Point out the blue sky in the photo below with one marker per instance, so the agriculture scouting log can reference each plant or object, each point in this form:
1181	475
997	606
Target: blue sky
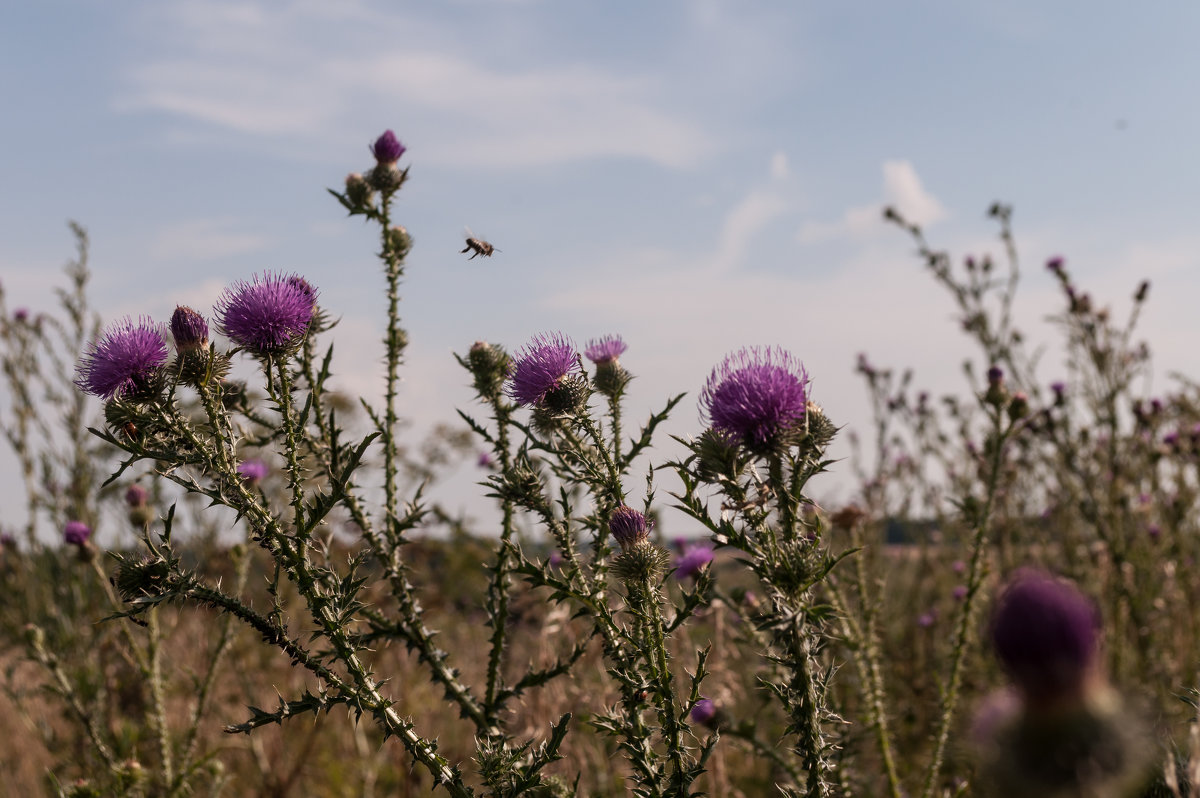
694	176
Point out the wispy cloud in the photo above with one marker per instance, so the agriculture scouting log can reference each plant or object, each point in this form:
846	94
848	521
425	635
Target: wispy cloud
204	240
902	189
259	73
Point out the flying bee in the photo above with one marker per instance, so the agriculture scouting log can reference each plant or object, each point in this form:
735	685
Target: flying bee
477	246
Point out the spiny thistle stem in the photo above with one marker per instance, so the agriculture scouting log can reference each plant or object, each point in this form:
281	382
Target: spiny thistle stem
394	270
966	616
665	687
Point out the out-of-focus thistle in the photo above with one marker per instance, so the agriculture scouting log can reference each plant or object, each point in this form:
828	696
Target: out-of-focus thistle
139	510
386	177
757	396
611	377
1066	733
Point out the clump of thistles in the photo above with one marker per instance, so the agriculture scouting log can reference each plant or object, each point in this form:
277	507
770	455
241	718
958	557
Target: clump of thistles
757	397
269	315
546	374
125	362
611	377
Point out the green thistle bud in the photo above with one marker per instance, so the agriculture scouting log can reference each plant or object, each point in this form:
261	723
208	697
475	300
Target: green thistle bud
488	364
399	241
386	178
359	192
568	398
140	577
641	563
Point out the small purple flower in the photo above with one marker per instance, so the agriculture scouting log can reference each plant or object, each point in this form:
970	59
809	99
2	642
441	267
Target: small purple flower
756	395
1055	264
252	471
124	360
387	149
268	315
1045	632
629	527
7	541
960	592
995	375
1154	531
136	495
485	460
189	329
605	349
958	566
76	533
927	619
556	559
693	560
21	315
704	712
540	367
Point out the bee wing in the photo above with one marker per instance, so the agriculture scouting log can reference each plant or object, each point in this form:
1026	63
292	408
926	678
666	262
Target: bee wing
467	232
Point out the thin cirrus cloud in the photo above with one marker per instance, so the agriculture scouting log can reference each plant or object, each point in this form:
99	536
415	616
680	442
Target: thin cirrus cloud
264	79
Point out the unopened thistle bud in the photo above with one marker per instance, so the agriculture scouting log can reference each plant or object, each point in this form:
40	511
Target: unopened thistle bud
189	329
359	191
1018	407
488	364
399	242
996	395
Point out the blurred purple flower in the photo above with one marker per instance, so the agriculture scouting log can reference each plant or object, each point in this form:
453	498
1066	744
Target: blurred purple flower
136	495
189	329
387	149
76	533
1055	264
959	592
629	527
692	560
1046	633
124	360
704	712
927	619
756	395
267	315
606	349
485	460
540	367
1154	531
959	566
20	315
252	471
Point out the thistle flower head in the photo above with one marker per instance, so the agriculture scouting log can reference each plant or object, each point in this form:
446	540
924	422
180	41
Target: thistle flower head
268	315
387	149
629	527
605	349
76	533
124	361
543	365
1046	633
136	495
693	560
189	329
704	712
252	471
757	396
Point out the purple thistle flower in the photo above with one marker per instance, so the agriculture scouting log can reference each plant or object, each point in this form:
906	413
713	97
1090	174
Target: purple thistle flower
756	395
485	460
124	360
605	349
76	533
960	592
20	315
252	471
540	367
387	149
1045	632
189	329
1055	264
693	560
136	495
927	619
268	315
704	712
629	527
